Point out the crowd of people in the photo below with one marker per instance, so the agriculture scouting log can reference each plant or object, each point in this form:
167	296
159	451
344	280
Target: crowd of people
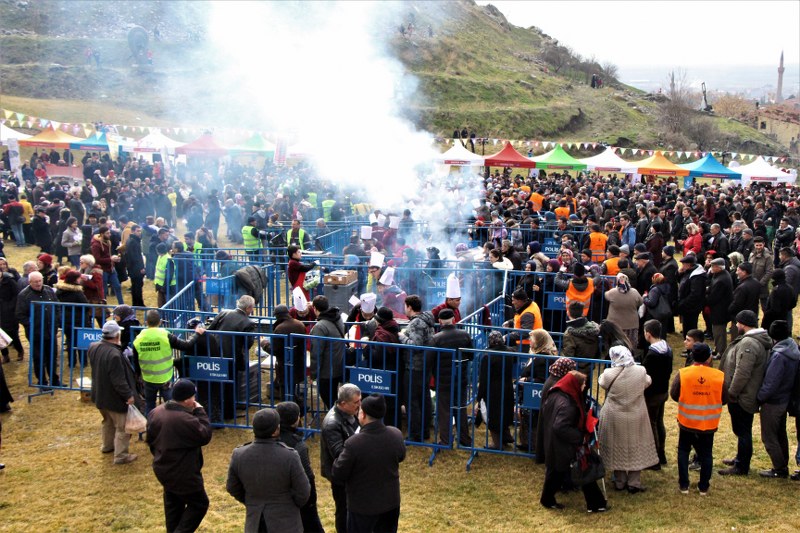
631	258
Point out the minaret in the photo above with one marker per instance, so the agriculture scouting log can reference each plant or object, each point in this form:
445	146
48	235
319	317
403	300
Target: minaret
779	93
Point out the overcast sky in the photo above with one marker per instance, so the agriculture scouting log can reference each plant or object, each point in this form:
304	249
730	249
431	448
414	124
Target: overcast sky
669	33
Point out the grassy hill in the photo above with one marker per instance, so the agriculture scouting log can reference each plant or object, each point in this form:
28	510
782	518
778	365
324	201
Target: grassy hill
474	70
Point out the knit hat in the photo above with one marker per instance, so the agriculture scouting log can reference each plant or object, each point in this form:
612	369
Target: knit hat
72	277
701	352
496	338
265	422
579	270
669	250
281	312
625	249
183	390
47	259
746	267
446	314
374	406
289	413
562	366
779	330
747	318
385	314
535	247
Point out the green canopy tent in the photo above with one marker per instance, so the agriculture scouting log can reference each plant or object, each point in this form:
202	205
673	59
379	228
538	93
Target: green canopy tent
557	159
256	145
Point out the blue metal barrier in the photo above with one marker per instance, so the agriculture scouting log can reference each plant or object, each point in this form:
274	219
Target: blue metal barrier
496	379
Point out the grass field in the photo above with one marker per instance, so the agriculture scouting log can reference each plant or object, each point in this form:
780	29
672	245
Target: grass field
56	479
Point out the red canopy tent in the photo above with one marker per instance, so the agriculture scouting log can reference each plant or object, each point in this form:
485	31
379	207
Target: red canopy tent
205	145
508	157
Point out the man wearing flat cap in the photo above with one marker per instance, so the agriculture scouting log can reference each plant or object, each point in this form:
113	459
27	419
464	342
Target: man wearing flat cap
369	467
743	364
113	390
267	476
176	432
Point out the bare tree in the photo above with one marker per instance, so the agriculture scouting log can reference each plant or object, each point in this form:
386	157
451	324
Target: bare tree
676	112
735	106
557	56
610	70
703	132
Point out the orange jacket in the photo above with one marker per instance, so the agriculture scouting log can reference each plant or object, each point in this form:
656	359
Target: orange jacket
700	401
584	296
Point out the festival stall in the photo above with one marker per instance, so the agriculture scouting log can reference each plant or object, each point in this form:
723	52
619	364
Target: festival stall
256	145
762	172
7	133
708	170
657	166
508	157
155	141
97	142
50	138
204	146
458	156
557	159
608	161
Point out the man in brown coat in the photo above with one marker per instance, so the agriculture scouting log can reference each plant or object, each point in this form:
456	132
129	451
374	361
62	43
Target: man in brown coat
176	432
290	378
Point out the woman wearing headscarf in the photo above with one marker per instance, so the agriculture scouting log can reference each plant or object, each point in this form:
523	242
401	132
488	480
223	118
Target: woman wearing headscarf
125	317
564	429
623	307
496	388
625	434
560	368
535	371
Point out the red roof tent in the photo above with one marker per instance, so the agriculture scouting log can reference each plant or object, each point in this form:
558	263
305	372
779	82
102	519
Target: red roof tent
203	146
508	157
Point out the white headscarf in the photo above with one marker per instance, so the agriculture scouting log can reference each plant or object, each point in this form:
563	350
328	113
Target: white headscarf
621	356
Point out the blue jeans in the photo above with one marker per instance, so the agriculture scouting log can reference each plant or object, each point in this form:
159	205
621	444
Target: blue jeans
151	392
703	444
75	260
19	234
111	278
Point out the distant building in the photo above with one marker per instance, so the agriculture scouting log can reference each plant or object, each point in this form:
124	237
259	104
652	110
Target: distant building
782	123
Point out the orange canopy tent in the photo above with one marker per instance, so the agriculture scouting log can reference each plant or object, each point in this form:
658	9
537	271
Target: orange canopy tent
51	138
658	165
508	157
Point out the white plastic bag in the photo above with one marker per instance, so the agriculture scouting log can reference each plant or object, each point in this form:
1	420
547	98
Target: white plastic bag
5	339
135	422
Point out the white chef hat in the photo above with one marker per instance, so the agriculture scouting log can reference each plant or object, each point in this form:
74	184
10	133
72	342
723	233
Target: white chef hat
300	302
353	301
453	288
394	222
381	220
376	259
373	218
388	276
366	232
368	300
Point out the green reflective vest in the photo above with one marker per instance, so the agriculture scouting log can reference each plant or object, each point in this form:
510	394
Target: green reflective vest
155	355
161	271
312	198
301	236
250	242
327	206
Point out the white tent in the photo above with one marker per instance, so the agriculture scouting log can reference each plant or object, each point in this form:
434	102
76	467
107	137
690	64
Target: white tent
460	157
608	161
155	141
8	133
762	172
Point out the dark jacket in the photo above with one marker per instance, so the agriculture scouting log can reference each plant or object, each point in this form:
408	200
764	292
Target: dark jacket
691	291
792	269
133	255
581	339
9	289
719	297
644	277
337	427
369	467
297	373
47	318
658	363
327	356
176	435
384	357
559	419
74	317
745	296
780	372
236	346
496	387
113	381
780	303
267	476
669	269
451	338
743	364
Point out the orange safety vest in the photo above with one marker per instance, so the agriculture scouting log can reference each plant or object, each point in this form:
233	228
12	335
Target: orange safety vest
562	212
612	268
597	244
533	308
700	402
537	200
585	296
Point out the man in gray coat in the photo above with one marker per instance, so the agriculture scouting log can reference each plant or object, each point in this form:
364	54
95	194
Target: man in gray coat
267	476
743	364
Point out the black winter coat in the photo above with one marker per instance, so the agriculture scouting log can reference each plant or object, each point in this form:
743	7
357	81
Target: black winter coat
450	338
691	291
496	388
719	297
780	303
559	420
745	296
9	288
